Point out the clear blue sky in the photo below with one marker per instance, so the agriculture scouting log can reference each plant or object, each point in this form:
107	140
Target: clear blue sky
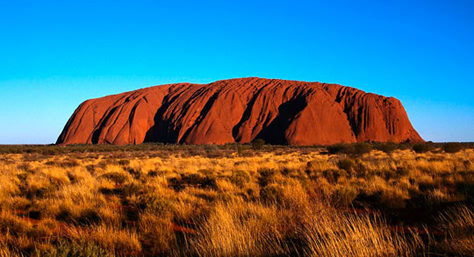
56	54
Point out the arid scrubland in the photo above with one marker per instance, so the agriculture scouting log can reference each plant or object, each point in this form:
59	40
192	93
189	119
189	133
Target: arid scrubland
235	201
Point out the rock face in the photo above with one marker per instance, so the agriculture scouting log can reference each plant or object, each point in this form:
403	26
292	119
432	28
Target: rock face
240	110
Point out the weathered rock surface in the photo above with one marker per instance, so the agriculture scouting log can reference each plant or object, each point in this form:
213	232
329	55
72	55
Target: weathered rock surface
240	110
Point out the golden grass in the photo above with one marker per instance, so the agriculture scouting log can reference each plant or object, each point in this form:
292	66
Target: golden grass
238	229
223	203
357	235
459	226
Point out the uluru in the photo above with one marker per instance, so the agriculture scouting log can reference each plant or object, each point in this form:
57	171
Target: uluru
240	111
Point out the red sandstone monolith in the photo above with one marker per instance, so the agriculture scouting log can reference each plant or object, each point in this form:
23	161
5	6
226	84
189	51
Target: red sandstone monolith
240	110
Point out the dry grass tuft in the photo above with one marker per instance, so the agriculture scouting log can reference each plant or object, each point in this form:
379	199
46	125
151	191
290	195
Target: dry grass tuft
458	224
238	229
357	235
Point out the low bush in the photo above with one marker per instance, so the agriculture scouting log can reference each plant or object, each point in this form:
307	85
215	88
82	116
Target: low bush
423	148
346	164
338	148
352	149
200	180
74	248
387	147
258	144
154	203
362	148
452	147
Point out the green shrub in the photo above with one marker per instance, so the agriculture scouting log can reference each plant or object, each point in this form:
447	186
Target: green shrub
423	148
354	149
258	144
196	179
240	150
452	147
338	148
362	148
346	164
75	248
154	203
387	147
